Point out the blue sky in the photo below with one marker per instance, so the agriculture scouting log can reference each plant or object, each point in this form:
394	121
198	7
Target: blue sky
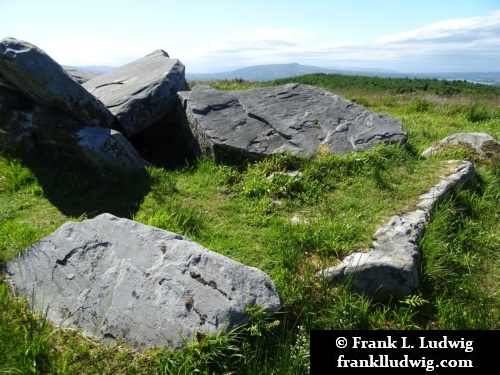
218	35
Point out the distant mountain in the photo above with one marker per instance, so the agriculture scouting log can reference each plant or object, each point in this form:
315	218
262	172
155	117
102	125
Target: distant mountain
276	71
364	70
262	72
270	72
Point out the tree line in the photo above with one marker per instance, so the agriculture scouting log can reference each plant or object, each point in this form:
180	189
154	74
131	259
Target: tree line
393	85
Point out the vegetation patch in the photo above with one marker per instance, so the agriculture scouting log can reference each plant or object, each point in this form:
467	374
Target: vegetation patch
245	212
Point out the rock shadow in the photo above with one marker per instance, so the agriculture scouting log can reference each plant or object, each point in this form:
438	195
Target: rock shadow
79	190
164	144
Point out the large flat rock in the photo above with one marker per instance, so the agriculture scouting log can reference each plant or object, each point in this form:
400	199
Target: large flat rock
119	279
142	92
301	119
27	69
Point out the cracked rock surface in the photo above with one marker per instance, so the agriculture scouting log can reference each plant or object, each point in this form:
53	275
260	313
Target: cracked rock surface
301	119
142	92
117	279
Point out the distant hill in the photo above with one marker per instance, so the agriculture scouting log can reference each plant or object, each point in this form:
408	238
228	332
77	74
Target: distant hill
262	73
277	71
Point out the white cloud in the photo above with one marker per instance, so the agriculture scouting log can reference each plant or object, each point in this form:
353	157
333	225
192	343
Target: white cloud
458	44
259	39
465	29
257	46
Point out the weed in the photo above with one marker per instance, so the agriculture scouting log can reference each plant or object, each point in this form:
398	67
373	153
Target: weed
477	113
420	105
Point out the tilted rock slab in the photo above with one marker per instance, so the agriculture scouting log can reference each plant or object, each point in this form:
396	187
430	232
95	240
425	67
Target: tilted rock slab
118	279
391	267
301	119
29	70
142	92
482	143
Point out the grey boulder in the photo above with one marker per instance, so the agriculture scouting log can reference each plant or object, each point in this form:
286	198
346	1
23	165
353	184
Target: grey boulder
482	143
301	119
142	92
29	70
117	279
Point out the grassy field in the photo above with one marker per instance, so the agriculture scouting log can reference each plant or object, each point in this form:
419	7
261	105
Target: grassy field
239	212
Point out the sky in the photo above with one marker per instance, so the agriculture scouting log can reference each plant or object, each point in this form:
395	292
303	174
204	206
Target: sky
207	36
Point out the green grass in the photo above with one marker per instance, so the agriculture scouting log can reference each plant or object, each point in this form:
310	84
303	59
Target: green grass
393	86
243	213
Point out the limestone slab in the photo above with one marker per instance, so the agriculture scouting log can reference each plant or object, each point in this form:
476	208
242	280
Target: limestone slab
301	119
117	279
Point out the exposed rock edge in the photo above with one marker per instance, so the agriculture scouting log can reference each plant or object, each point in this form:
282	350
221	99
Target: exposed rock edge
390	269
